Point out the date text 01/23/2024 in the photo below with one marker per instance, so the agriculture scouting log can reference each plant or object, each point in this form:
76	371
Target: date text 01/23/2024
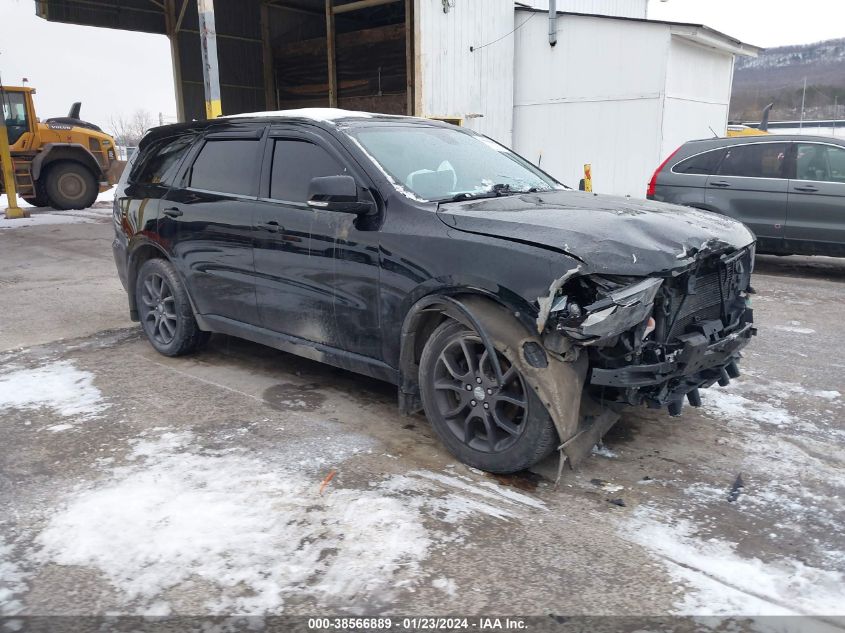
416	624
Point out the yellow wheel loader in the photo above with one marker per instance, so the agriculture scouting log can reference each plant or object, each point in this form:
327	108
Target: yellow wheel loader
62	162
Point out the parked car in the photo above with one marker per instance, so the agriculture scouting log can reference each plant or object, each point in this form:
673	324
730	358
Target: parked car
518	314
789	190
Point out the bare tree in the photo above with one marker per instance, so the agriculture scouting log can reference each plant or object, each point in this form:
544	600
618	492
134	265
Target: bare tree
128	131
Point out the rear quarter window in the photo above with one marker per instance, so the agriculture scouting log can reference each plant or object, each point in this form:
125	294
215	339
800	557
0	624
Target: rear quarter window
159	163
702	164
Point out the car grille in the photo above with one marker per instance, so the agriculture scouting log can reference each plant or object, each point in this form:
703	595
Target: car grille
712	288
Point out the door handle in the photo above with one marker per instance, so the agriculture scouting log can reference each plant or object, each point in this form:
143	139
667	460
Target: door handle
173	212
807	189
272	226
720	183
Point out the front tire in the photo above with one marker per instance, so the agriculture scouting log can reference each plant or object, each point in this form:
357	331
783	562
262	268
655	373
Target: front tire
70	185
165	310
497	424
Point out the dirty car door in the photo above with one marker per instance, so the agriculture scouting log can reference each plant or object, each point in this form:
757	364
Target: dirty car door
750	186
816	215
305	286
207	224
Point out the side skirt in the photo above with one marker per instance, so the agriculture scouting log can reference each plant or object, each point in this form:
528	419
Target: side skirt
300	347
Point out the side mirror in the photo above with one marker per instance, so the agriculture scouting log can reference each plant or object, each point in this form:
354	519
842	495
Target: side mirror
337	193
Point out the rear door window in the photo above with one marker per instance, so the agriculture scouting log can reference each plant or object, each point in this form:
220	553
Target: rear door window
295	163
702	165
820	163
759	160
228	166
162	161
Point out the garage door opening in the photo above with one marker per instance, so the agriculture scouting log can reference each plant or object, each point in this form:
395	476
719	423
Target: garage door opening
355	55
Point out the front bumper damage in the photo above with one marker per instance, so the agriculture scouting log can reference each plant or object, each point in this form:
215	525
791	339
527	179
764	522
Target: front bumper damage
658	340
697	364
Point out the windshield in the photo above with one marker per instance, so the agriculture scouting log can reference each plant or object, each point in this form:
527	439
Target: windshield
440	164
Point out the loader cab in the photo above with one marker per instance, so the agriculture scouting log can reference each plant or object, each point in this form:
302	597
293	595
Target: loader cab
19	116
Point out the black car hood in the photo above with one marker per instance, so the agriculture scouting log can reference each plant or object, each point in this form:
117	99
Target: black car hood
609	234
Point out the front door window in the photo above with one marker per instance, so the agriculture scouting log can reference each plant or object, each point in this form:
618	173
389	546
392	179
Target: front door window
14	114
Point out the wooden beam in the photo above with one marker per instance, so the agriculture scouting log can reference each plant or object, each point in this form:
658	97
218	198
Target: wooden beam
267	60
330	53
361	4
284	6
181	15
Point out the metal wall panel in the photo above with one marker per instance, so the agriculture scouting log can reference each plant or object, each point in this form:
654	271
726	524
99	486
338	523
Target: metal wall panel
466	62
621	8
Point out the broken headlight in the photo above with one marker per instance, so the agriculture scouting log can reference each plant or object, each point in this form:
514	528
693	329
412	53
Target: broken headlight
597	307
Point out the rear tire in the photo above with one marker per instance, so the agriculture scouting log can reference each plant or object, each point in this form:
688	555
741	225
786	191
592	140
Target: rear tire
70	185
165	310
513	432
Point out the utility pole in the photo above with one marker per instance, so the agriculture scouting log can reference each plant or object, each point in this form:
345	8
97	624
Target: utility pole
210	68
803	100
160	119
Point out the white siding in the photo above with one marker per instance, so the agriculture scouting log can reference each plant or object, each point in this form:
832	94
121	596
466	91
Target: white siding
473	85
583	101
620	8
618	94
698	93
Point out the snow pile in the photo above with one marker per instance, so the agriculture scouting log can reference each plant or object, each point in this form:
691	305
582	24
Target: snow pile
726	583
325	115
11	582
59	386
258	532
100	212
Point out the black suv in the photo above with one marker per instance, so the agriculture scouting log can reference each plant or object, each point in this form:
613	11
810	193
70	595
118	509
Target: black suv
789	190
518	314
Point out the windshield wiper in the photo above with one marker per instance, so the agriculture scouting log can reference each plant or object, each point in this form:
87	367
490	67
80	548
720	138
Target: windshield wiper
494	192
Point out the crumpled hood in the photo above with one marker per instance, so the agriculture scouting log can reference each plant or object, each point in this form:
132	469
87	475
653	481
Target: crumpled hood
611	235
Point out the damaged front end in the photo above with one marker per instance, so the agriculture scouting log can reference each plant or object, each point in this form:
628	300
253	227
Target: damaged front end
657	340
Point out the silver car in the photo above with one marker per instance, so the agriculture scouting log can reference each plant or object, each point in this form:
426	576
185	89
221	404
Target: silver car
789	190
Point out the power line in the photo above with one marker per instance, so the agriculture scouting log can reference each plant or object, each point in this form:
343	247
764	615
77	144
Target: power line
524	22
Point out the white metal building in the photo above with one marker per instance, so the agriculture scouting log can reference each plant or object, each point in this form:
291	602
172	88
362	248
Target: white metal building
617	91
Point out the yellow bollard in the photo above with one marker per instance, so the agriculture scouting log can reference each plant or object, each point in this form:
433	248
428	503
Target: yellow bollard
14	212
588	177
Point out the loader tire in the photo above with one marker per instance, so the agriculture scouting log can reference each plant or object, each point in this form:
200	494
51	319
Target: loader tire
70	185
40	198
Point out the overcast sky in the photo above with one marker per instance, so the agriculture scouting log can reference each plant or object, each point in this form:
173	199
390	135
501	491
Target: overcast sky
118	72
766	23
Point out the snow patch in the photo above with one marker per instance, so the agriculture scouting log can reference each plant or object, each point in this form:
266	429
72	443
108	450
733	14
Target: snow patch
603	451
725	583
258	531
59	386
734	406
47	216
11	581
325	115
794	330
446	585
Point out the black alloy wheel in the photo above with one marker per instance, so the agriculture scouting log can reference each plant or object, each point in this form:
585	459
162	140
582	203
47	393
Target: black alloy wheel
484	412
165	311
487	417
158	309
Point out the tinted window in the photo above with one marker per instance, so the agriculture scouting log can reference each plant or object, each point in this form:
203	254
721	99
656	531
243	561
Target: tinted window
761	160
227	166
295	163
820	162
703	164
161	161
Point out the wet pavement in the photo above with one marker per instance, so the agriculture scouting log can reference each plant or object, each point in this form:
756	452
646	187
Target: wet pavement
138	484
